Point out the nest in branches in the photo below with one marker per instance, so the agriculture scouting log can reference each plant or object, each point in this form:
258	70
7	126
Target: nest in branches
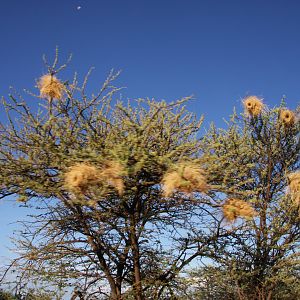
186	178
294	186
50	87
82	176
235	208
287	117
253	106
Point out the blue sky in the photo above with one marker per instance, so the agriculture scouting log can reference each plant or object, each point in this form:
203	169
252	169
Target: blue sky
219	51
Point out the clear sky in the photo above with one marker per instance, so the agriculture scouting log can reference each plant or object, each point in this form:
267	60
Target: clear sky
217	50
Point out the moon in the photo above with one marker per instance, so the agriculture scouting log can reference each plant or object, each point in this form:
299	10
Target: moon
78	7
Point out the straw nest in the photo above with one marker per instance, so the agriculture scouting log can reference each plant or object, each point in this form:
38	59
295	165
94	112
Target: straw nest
253	106
287	117
50	87
186	178
82	176
294	186
235	208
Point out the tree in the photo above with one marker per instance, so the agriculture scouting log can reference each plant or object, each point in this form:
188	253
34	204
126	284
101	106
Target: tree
123	204
28	295
220	282
257	160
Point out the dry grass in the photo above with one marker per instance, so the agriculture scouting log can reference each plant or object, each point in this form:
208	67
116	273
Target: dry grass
112	174
50	87
235	208
287	117
253	106
81	176
294	186
186	177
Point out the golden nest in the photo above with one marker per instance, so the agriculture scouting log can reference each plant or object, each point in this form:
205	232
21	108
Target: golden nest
253	105
185	178
81	176
50	87
235	208
294	186
287	117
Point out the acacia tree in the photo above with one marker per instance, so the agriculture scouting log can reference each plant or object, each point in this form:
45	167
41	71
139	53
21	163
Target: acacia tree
261	258
119	189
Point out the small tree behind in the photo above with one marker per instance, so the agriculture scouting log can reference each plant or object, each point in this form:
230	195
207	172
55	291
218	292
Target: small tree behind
261	257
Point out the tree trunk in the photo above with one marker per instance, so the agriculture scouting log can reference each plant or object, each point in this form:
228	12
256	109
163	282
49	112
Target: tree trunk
115	293
136	263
